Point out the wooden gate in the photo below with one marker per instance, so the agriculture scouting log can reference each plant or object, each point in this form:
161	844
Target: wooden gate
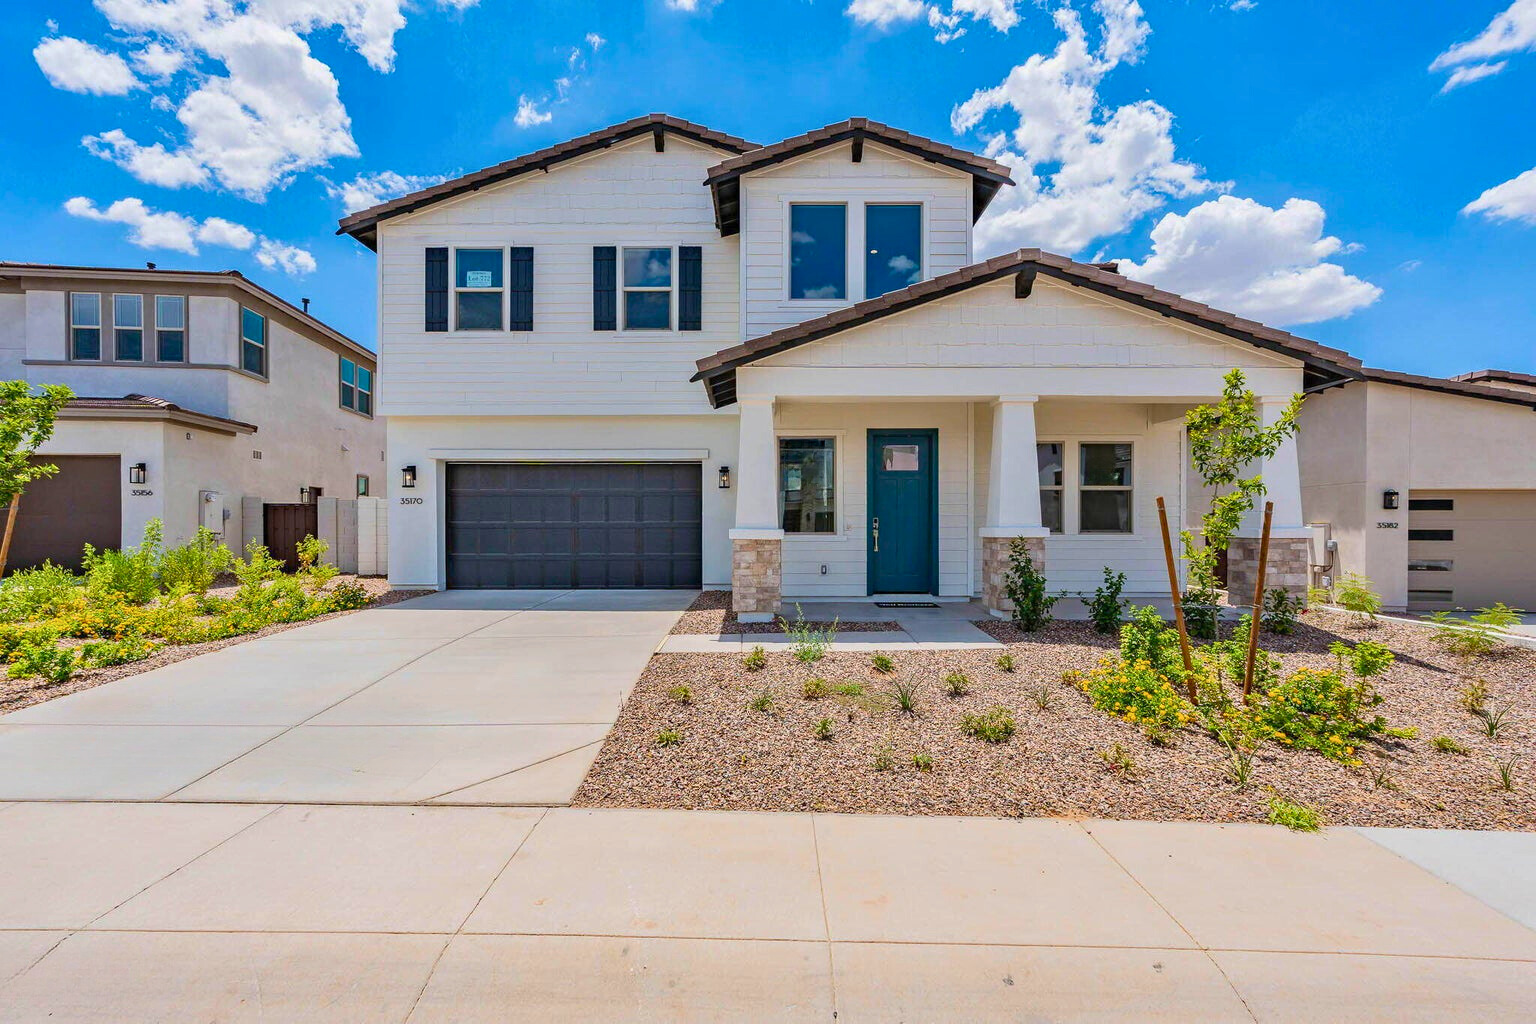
285	525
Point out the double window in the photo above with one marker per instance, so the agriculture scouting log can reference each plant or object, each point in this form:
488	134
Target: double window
85	325
478	283
647	286
356	387
819	245
808	485
253	342
1103	492
128	328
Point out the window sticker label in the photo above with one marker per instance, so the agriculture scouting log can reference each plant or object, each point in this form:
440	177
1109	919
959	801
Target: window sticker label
477	279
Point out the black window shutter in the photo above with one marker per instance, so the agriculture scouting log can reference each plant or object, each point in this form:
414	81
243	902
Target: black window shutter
605	285
690	296
437	289
521	290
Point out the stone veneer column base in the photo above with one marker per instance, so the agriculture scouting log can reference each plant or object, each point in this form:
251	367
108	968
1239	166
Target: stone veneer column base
1289	567
994	571
757	573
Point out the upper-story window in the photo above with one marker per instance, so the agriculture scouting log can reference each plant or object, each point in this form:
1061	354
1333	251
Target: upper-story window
171	328
253	341
893	243
818	251
84	325
356	387
647	289
478	282
128	328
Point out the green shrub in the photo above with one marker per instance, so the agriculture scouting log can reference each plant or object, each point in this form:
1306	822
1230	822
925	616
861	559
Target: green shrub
849	689
754	659
810	644
1004	662
1354	592
15	638
763	702
104	653
1148	638
40	655
1229	658
885	758
1493	719
132	573
1473	697
823	729
314	570
1296	817
1474	637
1106	607
669	738
1043	697
1136	692
1447	745
1282	612
1506	773
993	726
922	761
1025	587
904	696
196	564
814	688
1118	760
882	663
41	593
681	694
346	596
1321	710
957	684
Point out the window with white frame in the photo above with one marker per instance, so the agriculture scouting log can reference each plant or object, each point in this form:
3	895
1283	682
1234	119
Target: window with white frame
253	341
356	387
647	287
808	485
171	328
818	251
478	283
1051	458
128	328
1104	488
85	325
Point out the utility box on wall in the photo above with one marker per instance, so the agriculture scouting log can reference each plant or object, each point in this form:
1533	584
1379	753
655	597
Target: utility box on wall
210	511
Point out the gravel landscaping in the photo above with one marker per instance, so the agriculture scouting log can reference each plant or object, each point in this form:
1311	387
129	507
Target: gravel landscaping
710	615
1062	759
16	694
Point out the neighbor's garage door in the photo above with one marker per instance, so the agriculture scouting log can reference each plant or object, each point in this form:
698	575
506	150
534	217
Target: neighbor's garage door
81	504
581	525
1469	549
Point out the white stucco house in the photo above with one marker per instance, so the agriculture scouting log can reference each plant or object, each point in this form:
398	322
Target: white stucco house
662	356
202	399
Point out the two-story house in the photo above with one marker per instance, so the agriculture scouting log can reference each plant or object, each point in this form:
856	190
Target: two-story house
202	399
661	356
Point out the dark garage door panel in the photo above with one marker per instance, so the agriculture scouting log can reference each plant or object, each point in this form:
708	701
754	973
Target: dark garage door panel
81	504
594	525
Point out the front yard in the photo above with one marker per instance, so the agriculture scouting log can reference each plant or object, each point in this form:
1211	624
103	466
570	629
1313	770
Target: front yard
707	731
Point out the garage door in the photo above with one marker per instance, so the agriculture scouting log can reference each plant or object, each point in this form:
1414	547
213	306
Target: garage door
81	504
1469	549
574	525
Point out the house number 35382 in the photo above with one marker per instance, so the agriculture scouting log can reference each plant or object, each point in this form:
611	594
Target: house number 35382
1386	526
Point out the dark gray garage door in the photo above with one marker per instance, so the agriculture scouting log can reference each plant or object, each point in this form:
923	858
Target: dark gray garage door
574	525
81	504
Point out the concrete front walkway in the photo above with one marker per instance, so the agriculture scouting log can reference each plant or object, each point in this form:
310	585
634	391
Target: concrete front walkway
233	912
460	697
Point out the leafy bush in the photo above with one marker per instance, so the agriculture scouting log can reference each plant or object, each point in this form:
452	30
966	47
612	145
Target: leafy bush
823	729
1296	817
1106	607
1004	662
1148	638
814	688
1321	710
1476	636
196	564
882	663
1281	613
754	659
40	655
1448	745
346	596
16	638
41	593
1136	692
669	738
849	689
1356	593
103	653
1024	586
314	570
1473	697
922	761
810	644
254	572
957	684
681	694
1229	658
993	726
132	573
1118	760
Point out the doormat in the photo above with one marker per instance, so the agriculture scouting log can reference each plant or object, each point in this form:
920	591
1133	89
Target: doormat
905	604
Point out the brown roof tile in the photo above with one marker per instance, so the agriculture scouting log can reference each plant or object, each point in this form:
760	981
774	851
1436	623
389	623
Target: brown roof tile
1458	385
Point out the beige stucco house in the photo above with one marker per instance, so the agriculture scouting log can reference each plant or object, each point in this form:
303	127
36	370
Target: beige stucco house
1426	485
202	400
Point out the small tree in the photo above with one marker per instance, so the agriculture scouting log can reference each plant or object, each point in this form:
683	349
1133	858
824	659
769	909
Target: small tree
1225	440
1024	586
26	424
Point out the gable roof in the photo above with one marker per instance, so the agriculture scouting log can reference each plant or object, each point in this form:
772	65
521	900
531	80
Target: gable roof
1498	376
724	181
363	225
147	407
1464	385
1324	365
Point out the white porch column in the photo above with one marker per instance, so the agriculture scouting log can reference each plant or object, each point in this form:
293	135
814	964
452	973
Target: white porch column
1289	547
1013	498
757	541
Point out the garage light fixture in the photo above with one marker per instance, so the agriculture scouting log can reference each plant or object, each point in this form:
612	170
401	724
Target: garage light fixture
304	495
1389	499
408	476
138	473
725	478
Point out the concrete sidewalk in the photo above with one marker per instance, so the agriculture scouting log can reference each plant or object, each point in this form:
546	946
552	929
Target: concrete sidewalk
947	625
153	912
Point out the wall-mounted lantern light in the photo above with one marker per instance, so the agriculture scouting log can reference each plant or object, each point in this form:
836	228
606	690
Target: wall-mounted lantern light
725	478
138	473
408	476
304	495
1389	499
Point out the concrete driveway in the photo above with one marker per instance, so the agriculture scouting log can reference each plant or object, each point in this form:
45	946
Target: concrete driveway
458	697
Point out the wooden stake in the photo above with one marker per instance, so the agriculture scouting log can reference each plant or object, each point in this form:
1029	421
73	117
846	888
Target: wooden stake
10	526
1258	600
1178	602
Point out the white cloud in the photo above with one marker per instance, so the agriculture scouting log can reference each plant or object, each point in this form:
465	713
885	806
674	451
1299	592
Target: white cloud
691	6
529	115
595	41
946	23
166	229
1514	200
1243	256
1000	14
1512	31
259	107
885	13
368	190
1242	5
1083	171
77	66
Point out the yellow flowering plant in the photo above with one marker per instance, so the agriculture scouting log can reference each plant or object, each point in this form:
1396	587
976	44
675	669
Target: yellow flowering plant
1138	693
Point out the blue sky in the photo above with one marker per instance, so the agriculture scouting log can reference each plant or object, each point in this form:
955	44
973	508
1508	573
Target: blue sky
1315	164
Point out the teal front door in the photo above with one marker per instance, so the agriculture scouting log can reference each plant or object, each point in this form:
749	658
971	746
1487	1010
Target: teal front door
903	512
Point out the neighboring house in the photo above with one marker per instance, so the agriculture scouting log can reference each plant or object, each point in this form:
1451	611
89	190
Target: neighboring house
1428	486
661	356
202	398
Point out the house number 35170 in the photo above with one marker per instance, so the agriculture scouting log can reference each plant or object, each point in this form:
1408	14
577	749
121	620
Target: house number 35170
410	501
